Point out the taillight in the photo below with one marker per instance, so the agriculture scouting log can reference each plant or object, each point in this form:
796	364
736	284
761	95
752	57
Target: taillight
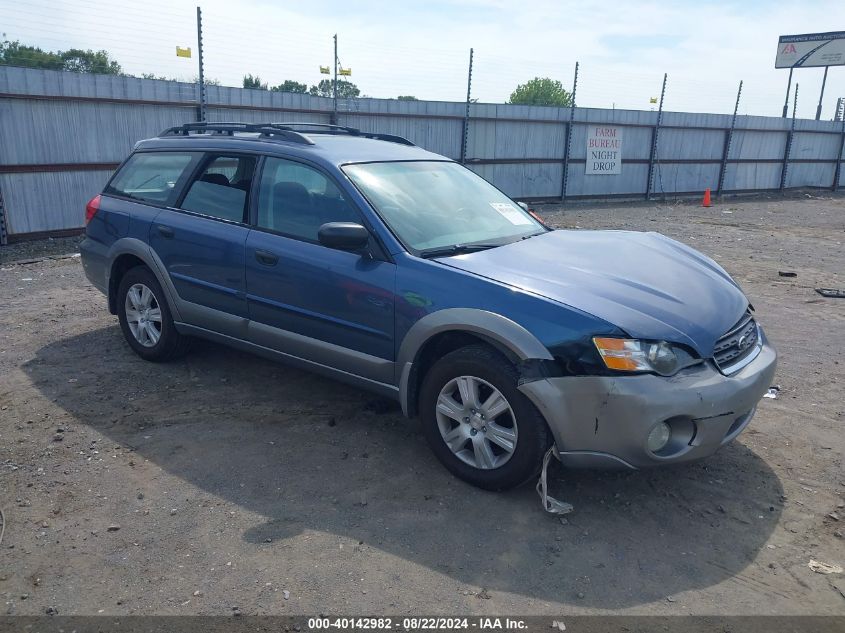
91	208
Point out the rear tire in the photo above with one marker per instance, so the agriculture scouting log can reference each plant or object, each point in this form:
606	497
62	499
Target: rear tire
479	425
145	317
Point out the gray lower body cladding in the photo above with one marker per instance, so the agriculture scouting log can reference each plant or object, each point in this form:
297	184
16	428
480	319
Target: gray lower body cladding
601	421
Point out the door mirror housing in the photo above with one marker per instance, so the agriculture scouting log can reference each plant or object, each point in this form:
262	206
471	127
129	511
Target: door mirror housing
344	236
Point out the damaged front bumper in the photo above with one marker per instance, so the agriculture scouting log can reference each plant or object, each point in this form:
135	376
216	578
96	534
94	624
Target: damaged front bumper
605	421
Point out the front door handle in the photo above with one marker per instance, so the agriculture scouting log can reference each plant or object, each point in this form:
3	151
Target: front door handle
266	258
165	231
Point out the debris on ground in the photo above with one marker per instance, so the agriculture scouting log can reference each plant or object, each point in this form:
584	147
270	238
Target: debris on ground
773	392
824	568
550	504
831	293
787	273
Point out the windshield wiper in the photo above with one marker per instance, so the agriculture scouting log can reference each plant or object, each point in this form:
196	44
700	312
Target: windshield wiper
455	249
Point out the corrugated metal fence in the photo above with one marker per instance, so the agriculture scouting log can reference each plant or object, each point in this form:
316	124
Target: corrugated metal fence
62	134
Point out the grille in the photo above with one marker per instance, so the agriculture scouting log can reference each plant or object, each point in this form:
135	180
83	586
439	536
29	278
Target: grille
738	345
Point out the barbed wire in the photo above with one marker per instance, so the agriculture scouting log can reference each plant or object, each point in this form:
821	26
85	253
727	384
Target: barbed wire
144	43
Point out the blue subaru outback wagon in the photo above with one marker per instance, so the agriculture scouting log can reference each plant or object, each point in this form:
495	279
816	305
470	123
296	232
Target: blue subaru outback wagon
375	262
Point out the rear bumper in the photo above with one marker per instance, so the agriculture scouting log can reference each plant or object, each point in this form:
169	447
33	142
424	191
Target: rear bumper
602	421
95	263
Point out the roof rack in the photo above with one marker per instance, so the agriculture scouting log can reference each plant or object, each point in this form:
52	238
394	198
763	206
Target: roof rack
285	130
229	129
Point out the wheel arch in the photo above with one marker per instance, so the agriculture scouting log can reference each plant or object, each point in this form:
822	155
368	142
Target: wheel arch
441	332
128	253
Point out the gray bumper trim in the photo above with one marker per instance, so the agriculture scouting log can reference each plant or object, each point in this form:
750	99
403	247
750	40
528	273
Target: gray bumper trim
605	420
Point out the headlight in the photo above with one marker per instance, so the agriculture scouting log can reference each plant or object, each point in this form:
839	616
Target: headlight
634	355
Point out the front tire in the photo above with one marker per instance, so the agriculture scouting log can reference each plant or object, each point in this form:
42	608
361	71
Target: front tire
145	317
479	425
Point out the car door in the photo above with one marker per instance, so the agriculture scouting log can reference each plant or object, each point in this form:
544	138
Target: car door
201	242
328	306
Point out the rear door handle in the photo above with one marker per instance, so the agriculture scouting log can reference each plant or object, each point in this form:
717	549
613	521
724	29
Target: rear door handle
267	258
165	231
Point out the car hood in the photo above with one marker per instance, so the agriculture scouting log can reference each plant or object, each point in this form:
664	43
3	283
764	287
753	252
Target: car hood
648	285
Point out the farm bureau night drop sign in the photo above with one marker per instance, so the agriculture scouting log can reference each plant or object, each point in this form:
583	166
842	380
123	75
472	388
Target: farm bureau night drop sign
604	149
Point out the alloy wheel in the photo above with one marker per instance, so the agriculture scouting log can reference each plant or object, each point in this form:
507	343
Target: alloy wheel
143	315
476	422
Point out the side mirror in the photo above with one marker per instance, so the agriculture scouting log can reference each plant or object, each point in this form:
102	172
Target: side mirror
344	236
524	206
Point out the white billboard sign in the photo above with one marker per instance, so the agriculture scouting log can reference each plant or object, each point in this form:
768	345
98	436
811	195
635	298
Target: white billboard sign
811	50
604	149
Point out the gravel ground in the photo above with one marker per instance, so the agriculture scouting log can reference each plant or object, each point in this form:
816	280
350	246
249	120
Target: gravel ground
38	249
224	481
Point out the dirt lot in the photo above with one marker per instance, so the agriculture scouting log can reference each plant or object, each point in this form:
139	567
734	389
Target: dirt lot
223	481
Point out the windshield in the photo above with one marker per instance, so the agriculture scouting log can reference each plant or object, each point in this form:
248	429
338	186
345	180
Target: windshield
430	205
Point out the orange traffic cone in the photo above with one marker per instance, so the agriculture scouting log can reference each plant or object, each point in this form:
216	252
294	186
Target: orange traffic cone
706	201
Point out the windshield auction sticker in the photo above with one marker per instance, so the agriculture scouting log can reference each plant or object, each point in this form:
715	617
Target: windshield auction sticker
511	213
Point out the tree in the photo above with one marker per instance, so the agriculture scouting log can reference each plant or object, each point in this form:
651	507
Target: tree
80	61
17	54
541	91
254	82
345	89
406	98
75	59
288	85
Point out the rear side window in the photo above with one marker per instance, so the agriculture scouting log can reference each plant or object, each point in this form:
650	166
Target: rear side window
221	188
150	176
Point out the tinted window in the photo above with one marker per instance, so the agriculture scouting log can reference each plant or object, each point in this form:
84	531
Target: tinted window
150	176
220	190
296	200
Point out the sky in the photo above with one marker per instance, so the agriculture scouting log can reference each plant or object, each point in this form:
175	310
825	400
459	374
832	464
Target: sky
422	48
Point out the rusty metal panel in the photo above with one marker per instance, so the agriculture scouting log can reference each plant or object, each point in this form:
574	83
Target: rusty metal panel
442	136
751	176
74	131
524	180
631	181
750	145
60	118
49	201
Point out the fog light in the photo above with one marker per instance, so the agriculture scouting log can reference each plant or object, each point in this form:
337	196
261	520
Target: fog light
659	437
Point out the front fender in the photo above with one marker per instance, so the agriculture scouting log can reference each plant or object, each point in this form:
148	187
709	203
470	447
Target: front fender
495	327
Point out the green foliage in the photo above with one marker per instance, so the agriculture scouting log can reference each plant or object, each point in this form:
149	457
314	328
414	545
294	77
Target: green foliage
345	89
406	98
254	82
288	85
74	59
17	54
541	91
80	61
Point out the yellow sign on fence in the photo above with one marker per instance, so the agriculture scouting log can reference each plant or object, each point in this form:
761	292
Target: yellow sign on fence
183	52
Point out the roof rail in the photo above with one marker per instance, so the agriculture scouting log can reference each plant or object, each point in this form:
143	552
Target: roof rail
229	129
285	130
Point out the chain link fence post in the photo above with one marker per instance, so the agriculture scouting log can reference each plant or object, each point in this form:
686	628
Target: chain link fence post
728	140
4	236
788	149
465	135
568	143
655	134
201	115
836	172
